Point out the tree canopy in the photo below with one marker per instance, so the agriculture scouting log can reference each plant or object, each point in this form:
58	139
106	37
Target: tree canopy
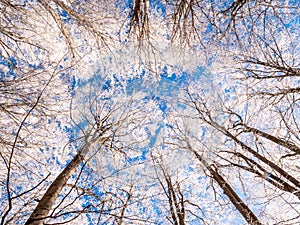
149	112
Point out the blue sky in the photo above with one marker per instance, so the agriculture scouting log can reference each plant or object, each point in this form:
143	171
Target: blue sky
164	90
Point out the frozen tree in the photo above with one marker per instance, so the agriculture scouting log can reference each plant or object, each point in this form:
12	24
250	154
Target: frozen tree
149	112
232	146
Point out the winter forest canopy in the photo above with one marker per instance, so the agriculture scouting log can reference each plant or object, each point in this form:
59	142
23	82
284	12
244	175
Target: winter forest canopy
150	112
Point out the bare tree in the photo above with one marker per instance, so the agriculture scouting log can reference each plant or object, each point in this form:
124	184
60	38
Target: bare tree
51	162
104	132
257	157
175	197
139	19
212	168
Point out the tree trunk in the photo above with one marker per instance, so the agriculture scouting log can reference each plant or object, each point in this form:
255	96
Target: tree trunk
45	205
285	143
244	210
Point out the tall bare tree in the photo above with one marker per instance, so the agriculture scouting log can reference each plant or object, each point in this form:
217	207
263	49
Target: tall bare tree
237	126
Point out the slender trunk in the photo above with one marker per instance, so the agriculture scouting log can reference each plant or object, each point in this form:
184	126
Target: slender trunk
274	166
172	200
284	143
42	210
244	210
256	168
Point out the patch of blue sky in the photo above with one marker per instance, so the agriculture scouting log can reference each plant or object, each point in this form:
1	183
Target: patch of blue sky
67	77
209	31
36	66
97	80
8	65
138	159
128	4
155	203
72	134
51	160
12	62
99	192
154	137
159	6
64	15
87	201
169	85
294	23
223	5
72	85
90	219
